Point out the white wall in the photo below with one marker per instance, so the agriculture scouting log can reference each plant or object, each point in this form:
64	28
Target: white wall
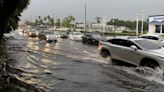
151	29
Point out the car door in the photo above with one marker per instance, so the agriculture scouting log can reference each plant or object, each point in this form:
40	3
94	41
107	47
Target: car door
70	35
129	54
116	49
88	38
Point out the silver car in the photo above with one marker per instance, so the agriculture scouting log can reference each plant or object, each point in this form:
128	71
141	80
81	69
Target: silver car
33	33
139	52
50	36
155	38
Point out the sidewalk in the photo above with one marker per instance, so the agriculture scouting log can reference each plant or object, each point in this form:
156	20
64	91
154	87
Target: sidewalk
10	51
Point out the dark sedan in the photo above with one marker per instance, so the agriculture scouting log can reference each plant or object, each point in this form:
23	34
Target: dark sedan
92	38
63	35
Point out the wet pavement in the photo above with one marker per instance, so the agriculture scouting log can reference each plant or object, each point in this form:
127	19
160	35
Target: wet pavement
70	66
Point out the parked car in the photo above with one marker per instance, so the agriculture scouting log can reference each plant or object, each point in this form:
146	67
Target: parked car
63	35
76	36
155	38
10	35
92	38
57	34
49	36
139	52
33	33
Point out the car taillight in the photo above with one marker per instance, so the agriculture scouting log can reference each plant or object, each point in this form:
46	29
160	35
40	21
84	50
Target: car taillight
100	45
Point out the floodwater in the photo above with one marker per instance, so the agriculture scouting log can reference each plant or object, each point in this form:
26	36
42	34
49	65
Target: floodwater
70	66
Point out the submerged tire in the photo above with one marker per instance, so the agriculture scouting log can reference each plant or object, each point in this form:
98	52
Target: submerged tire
105	53
149	63
83	41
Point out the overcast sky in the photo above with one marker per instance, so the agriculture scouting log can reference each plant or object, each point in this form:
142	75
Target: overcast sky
123	9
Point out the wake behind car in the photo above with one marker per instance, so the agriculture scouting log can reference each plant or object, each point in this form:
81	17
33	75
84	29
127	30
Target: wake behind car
49	36
92	38
76	36
139	52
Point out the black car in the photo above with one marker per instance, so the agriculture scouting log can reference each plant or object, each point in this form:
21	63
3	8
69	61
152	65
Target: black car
92	38
63	35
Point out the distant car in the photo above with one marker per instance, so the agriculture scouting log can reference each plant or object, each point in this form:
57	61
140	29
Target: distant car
76	36
33	33
139	52
10	35
92	38
57	34
63	35
155	38
49	36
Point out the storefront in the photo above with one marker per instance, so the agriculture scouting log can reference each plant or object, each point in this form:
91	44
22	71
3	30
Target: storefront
156	24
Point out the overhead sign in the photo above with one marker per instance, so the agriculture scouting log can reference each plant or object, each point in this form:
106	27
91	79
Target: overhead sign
156	19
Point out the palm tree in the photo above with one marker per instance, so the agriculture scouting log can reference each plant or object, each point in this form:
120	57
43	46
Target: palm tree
98	19
45	19
58	23
39	17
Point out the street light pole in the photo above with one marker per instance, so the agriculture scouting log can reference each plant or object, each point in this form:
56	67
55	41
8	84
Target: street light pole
142	27
113	22
53	22
85	18
137	24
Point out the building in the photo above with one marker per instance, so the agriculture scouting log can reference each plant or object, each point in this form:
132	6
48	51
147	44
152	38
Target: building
156	24
107	28
101	27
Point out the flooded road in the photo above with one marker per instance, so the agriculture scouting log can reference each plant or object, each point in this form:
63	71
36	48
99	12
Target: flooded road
70	66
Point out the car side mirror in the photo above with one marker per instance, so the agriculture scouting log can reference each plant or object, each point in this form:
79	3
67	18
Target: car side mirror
133	47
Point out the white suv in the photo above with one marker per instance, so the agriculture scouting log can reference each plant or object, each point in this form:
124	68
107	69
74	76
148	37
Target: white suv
155	38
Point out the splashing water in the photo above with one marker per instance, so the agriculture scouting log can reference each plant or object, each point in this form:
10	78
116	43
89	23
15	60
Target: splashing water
147	73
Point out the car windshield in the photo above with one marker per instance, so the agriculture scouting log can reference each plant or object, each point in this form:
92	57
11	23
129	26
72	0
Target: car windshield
49	32
33	30
63	33
77	33
96	35
148	44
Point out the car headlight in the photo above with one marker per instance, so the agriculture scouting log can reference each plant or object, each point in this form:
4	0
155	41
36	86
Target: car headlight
47	36
37	33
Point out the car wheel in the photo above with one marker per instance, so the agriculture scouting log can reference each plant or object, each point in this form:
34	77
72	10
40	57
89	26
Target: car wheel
49	41
105	53
11	37
149	63
83	41
55	41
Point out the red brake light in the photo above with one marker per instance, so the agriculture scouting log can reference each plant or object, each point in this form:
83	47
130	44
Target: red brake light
100	45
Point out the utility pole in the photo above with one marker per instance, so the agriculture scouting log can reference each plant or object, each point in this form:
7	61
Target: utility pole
85	18
142	27
113	22
137	15
53	22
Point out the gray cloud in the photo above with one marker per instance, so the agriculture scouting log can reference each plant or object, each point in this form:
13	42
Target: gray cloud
124	9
